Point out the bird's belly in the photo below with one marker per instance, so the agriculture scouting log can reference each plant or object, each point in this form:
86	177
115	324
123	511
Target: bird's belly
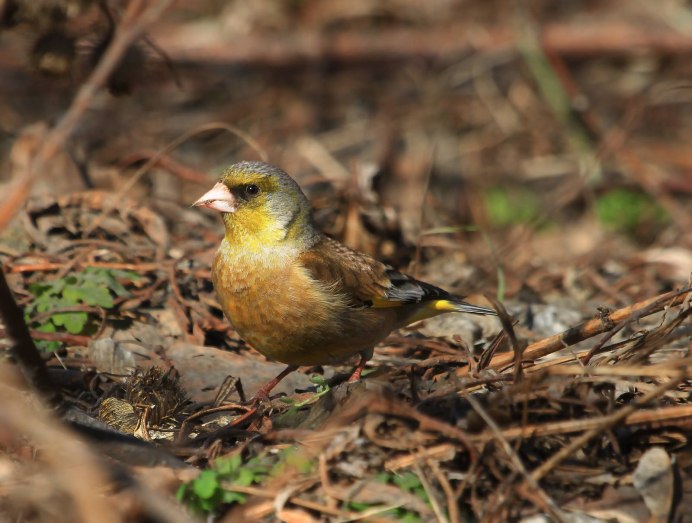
290	318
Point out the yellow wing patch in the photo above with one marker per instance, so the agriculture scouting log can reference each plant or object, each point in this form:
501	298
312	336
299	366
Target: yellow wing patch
384	303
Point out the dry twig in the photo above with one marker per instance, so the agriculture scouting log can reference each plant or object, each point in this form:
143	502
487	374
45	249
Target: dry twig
589	329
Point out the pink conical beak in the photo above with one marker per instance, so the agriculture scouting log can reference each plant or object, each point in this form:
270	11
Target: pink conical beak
219	198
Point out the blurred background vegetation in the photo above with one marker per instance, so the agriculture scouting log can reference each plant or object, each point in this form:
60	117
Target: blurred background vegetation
519	138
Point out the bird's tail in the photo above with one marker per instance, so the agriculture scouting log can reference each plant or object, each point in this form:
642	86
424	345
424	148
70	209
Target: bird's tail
455	304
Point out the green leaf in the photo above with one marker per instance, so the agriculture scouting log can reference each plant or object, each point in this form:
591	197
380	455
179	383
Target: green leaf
117	288
38	289
100	296
55	287
43	306
115	285
206	484
357	506
207	505
224	467
317	379
407	481
246	476
229	496
626	211
235	461
409	517
298	460
48	346
73	295
521	206
46	327
182	491
74	322
383	477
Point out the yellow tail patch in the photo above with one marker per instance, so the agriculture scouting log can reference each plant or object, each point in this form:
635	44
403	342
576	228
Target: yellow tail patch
444	306
431	309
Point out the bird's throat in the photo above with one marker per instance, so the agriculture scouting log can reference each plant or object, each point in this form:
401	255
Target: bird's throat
257	232
251	232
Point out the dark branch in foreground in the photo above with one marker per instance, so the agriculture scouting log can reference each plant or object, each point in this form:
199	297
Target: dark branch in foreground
24	351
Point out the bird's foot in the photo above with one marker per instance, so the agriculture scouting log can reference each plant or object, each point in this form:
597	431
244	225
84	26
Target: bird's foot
259	398
262	394
359	368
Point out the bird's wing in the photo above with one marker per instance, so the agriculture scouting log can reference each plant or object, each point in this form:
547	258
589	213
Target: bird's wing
364	281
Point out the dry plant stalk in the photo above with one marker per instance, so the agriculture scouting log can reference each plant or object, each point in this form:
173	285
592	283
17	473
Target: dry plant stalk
589	329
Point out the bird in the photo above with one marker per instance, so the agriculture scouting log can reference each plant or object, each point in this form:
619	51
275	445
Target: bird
296	295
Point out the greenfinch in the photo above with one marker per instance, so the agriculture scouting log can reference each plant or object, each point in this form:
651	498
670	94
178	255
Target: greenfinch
296	295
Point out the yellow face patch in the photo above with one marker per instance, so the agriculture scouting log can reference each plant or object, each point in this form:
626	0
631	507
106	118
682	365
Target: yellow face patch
270	209
257	222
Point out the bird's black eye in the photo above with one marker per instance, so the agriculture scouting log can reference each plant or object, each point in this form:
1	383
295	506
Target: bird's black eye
252	190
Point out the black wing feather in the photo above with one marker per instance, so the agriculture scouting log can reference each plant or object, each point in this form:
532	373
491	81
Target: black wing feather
406	289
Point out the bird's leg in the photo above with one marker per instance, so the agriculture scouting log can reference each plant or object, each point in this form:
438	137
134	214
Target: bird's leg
364	358
263	393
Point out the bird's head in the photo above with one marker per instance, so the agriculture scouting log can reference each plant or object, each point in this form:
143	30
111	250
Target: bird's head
261	205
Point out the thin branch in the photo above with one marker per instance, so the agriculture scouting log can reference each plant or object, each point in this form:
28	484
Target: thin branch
589	329
678	415
304	47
